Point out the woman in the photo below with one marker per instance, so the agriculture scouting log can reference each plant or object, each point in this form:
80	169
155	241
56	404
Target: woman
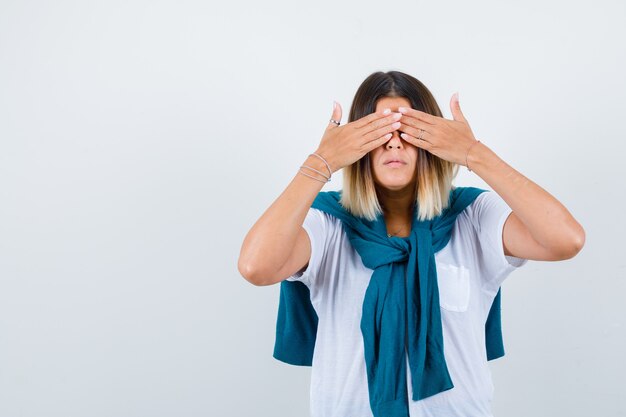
390	288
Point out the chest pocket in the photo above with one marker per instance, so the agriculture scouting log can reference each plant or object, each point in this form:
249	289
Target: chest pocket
454	287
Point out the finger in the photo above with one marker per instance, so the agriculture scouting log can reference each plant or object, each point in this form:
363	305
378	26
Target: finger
420	132
420	143
375	143
336	115
455	108
382	130
415	124
425	117
421	135
365	120
379	127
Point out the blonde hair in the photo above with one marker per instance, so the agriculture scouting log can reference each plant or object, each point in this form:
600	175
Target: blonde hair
434	175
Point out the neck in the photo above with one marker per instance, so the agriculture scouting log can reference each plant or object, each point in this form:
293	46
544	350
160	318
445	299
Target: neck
397	204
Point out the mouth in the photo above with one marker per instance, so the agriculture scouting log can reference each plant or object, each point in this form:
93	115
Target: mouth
395	163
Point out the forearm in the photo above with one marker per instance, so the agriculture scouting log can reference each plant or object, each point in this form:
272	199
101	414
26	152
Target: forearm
271	239
548	221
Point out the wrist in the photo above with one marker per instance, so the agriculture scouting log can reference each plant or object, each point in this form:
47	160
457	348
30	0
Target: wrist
479	157
316	167
322	160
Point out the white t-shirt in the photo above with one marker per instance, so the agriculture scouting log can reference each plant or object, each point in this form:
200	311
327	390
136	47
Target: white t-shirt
470	269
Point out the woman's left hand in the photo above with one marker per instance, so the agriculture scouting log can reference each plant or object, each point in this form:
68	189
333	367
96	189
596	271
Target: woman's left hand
447	139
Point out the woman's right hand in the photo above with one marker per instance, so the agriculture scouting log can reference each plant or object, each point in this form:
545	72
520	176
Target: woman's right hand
344	145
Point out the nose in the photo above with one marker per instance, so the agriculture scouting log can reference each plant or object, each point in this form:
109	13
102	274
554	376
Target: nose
395	141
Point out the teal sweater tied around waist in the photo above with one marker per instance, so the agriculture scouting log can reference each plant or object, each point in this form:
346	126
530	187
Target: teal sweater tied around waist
400	308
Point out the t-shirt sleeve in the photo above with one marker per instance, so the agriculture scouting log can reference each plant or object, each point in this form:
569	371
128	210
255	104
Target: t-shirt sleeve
488	214
316	224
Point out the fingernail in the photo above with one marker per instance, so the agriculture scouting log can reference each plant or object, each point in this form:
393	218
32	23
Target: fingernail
386	111
457	96
401	109
334	105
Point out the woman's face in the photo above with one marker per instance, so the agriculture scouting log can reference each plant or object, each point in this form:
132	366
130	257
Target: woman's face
395	176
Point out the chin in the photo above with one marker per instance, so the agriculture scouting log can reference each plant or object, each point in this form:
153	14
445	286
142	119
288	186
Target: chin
395	185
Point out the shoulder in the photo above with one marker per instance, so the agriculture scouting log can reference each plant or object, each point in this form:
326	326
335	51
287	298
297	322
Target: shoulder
487	207
482	221
320	223
322	216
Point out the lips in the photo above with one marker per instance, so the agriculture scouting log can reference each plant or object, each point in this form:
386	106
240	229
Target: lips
394	160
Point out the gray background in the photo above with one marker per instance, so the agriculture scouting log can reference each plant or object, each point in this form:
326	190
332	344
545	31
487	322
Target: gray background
140	141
